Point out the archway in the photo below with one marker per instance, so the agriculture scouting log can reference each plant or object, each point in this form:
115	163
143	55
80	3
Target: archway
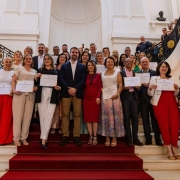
75	23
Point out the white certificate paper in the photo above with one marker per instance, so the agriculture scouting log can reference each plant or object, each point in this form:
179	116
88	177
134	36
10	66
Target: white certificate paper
25	86
100	68
48	80
5	88
109	91
145	77
132	81
153	65
165	84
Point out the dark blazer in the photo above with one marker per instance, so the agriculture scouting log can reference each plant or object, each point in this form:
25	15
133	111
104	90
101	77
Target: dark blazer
143	96
35	60
66	79
125	93
54	95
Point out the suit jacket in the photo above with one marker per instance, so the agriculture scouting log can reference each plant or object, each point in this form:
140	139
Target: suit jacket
35	60
66	79
143	96
125	93
156	94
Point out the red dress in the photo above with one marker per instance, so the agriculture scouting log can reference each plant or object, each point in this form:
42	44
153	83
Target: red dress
92	91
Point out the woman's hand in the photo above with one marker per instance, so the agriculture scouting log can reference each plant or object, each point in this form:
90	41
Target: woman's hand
35	88
98	101
57	88
176	86
115	96
152	86
11	93
37	75
17	92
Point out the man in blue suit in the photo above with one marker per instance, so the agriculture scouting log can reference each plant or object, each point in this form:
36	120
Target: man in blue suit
72	77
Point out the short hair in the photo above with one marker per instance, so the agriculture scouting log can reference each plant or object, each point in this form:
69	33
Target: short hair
30	47
41	44
57	62
32	65
109	57
92	44
64	45
56	47
99	52
169	69
18	52
164	28
106	48
74	48
92	62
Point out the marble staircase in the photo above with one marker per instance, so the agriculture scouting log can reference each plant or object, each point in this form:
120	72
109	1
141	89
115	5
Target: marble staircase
154	157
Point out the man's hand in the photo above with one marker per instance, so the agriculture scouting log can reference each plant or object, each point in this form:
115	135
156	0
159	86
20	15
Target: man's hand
72	91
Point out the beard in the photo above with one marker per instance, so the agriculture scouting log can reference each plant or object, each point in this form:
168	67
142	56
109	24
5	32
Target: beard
40	51
74	57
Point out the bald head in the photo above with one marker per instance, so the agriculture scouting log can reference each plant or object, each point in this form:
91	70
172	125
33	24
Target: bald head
144	62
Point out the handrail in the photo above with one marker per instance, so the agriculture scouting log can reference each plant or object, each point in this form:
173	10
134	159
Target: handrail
164	49
5	52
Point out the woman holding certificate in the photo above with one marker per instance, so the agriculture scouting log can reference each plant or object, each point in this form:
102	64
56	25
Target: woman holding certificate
47	96
111	118
91	101
6	121
163	92
23	100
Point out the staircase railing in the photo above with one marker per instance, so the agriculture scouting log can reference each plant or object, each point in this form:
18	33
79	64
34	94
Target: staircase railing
165	48
5	52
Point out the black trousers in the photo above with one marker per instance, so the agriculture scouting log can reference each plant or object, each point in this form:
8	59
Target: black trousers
130	110
147	108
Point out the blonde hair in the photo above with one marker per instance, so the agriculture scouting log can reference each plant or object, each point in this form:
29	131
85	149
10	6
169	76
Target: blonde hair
32	65
17	52
52	61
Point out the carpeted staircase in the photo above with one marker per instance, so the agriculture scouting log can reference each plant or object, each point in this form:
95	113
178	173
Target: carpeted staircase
71	162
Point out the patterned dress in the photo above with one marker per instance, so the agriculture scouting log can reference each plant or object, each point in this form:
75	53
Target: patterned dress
111	116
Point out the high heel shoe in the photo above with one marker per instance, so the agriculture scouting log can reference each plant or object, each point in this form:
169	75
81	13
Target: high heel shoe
176	155
114	142
90	139
171	157
107	143
95	140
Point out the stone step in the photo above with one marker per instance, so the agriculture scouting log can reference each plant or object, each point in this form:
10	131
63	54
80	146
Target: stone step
159	163
8	149
165	175
2	173
4	161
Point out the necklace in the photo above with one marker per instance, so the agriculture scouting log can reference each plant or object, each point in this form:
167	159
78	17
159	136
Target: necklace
109	72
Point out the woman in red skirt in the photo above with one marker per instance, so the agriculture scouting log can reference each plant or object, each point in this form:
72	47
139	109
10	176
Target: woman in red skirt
165	107
91	101
6	121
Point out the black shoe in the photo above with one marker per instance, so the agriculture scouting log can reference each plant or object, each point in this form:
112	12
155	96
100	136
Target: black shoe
43	146
159	142
129	142
137	142
65	140
77	141
148	142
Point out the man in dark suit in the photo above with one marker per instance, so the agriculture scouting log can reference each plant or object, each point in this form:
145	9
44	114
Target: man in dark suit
164	35
143	45
147	108
38	60
72	78
92	54
129	99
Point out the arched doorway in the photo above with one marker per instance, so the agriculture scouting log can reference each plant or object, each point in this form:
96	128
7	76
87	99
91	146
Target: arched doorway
75	23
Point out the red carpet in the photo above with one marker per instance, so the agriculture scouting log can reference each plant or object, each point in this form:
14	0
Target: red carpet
71	162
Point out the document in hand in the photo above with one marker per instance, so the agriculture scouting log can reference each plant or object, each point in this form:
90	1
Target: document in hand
5	88
132	81
25	86
165	84
109	91
48	80
145	77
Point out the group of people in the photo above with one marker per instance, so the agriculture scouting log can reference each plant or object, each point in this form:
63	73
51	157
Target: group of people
81	82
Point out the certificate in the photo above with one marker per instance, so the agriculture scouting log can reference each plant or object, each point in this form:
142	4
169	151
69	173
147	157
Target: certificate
5	88
153	65
165	85
100	68
48	80
25	86
109	91
145	77
132	81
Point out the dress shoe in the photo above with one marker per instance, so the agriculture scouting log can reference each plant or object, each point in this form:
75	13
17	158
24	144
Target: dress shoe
65	140
159	142
43	146
77	141
129	142
148	142
137	142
